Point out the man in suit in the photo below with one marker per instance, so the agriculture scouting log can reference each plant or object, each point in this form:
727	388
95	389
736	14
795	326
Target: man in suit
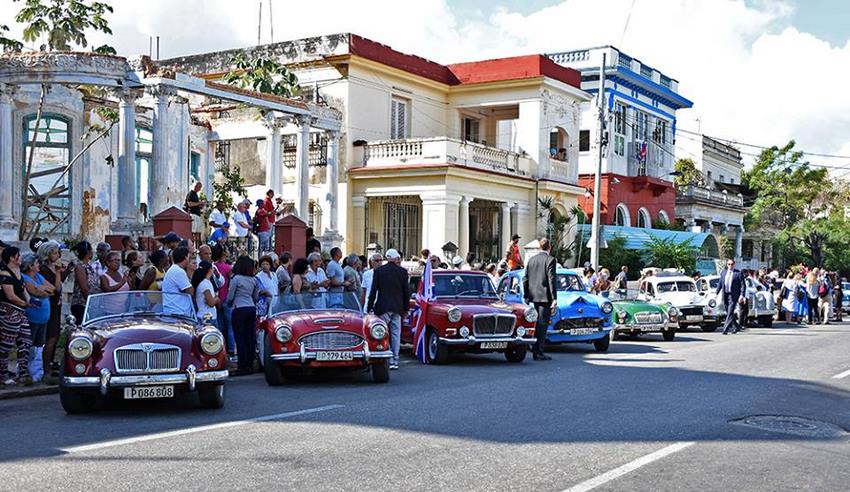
539	291
731	285
392	290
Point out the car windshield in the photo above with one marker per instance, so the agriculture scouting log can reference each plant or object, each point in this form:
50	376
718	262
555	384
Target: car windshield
569	282
138	303
681	286
623	295
460	285
316	301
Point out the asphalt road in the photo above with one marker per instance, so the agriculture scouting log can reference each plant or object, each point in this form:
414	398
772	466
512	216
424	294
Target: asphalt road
648	415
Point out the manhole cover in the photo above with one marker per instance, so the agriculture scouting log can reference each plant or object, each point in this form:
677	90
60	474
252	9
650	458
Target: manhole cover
798	426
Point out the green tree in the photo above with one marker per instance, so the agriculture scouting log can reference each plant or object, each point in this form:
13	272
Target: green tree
690	174
8	44
64	23
561	228
231	182
667	253
262	75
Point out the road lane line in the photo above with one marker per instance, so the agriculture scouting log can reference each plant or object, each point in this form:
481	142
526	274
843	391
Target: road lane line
842	375
629	467
192	430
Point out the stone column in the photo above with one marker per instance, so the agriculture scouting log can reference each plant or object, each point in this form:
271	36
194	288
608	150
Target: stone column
127	208
739	241
8	228
161	174
439	221
274	171
333	180
506	225
302	169
463	225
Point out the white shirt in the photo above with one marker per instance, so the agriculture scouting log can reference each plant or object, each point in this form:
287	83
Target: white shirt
201	301
318	276
176	281
367	286
728	281
217	217
238	217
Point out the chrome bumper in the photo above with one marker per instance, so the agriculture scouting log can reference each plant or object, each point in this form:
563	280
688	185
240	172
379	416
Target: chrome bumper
647	328
106	380
304	356
471	340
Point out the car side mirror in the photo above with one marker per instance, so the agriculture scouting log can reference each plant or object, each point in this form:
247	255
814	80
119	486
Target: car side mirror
71	320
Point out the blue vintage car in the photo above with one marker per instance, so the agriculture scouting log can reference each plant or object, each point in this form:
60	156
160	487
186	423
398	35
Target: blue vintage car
581	317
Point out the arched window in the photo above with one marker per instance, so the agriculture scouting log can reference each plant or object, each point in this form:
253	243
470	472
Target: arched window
622	218
48	176
643	219
663	218
559	144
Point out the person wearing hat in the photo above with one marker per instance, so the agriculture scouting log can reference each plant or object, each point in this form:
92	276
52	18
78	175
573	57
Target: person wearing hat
169	242
221	234
36	243
389	298
457	263
512	255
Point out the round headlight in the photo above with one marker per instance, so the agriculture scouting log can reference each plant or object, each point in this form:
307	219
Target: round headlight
672	312
622	316
607	307
80	348
530	314
712	303
454	314
464	331
378	331
283	334
520	332
212	343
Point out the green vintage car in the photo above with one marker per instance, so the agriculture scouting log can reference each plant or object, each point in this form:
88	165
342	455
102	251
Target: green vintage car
633	317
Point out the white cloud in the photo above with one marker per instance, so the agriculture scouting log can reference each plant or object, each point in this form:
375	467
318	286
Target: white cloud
751	75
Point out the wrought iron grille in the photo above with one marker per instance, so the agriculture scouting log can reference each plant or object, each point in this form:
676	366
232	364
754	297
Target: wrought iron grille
402	226
318	150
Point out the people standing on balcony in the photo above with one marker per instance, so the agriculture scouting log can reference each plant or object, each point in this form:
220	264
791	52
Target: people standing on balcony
313	244
195	207
513	255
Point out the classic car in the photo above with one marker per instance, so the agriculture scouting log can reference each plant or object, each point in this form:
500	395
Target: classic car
580	317
634	317
466	315
845	294
760	302
680	291
322	330
137	345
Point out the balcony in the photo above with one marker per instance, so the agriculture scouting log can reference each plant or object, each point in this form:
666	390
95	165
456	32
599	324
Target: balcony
696	194
444	150
657	164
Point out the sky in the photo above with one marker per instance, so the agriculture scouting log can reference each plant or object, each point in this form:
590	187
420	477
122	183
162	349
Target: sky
758	71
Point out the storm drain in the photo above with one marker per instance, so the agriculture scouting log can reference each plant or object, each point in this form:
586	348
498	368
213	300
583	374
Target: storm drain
798	426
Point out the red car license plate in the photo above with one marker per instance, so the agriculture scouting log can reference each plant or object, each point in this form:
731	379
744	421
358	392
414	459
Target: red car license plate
494	345
336	355
136	393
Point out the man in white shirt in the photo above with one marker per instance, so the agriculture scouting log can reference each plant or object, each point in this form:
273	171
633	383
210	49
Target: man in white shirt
241	226
315	275
176	281
217	216
374	262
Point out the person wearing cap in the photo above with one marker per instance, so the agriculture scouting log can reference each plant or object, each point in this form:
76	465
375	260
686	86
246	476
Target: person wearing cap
221	234
217	216
457	263
512	255
36	243
389	298
170	242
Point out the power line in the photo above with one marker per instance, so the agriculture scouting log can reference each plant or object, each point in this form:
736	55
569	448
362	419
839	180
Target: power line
763	147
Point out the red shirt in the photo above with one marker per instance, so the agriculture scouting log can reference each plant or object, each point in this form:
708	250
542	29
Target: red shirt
269	206
262	218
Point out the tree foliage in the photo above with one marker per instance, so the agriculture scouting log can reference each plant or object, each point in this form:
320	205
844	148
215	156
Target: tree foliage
8	44
560	228
262	75
690	174
64	23
667	253
231	182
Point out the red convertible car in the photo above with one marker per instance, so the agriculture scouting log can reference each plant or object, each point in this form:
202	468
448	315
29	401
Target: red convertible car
322	330
138	345
466	315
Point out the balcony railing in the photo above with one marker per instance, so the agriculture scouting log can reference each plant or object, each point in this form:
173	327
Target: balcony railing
710	196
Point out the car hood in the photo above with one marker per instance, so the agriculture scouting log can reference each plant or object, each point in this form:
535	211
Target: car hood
633	307
473	306
303	322
579	305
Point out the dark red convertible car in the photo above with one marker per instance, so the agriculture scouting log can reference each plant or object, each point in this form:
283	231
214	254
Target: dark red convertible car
466	315
323	330
139	345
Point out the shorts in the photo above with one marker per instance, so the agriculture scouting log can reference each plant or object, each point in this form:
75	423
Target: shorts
38	334
197	224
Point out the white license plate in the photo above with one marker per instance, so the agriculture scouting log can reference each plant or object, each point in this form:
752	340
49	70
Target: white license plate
140	392
650	328
582	331
336	355
694	317
494	345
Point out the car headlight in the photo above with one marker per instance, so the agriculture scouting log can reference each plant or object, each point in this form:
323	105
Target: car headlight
464	331
672	312
212	343
712	303
607	307
454	314
80	348
530	314
378	331
283	334
622	316
520	332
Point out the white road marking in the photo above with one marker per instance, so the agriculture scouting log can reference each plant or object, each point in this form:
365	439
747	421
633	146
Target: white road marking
629	467
842	375
192	430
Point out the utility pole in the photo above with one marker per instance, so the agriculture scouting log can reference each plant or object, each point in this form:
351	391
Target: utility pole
595	236
259	22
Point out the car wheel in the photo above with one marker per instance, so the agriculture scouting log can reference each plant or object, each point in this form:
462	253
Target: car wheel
516	354
437	352
766	321
669	335
211	395
614	335
602	344
381	371
272	370
709	328
76	401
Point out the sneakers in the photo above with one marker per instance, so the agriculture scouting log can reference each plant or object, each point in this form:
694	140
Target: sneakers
393	365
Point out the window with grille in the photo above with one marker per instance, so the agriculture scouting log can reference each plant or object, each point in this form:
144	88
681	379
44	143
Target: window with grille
318	150
584	140
642	126
660	133
50	155
402	227
399	118
471	130
620	118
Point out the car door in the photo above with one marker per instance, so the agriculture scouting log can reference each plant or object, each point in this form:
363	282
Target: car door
513	292
408	322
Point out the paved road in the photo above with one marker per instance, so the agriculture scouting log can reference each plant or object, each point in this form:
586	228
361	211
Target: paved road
648	415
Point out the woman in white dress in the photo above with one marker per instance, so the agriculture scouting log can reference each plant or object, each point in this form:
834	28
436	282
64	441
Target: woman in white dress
206	298
268	286
790	304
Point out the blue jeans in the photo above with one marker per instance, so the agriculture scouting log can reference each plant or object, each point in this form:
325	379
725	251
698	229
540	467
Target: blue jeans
224	316
393	322
265	241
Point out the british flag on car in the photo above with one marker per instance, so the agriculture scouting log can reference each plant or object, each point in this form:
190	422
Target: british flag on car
425	294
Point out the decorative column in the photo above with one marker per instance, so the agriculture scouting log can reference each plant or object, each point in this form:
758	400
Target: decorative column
127	208
439	221
739	241
302	169
506	225
463	225
160	172
8	228
274	173
333	180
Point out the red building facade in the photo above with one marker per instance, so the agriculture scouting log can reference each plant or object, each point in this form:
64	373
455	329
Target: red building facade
642	200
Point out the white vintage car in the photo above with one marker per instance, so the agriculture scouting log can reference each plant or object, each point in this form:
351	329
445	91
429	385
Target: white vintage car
760	302
681	292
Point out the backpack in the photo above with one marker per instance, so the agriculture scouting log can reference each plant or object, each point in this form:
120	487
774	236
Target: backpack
822	290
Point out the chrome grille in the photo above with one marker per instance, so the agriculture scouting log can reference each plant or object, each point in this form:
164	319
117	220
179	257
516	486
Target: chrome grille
147	357
647	318
569	324
331	340
493	324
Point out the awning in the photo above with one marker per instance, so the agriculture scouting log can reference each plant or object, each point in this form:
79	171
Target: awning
637	238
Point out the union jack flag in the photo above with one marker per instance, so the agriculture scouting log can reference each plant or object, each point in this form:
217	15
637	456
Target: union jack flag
641	152
420	311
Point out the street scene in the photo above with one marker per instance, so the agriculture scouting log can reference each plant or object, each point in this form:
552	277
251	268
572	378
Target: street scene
447	245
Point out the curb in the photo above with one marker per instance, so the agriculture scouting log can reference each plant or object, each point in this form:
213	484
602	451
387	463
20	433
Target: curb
28	391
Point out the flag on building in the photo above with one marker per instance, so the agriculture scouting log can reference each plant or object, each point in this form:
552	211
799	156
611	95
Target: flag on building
641	153
423	296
